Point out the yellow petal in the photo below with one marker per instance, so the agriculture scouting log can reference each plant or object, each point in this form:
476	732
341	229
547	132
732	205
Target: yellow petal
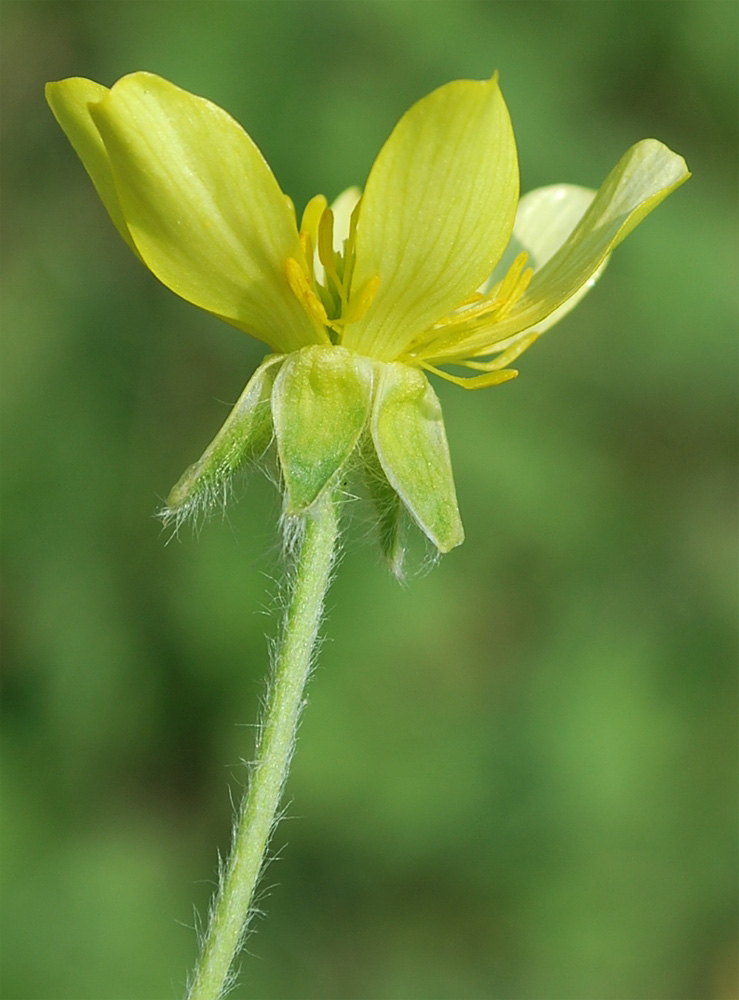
69	101
642	178
436	214
545	219
203	207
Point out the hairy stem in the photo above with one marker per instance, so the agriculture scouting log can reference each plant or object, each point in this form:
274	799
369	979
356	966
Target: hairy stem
231	910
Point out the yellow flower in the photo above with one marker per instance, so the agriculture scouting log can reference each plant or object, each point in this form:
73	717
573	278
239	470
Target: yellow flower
436	263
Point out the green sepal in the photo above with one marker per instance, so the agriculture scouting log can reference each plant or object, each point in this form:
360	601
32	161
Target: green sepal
388	509
244	437
320	405
408	431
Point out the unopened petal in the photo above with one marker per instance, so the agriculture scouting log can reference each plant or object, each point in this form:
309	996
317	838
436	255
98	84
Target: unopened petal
436	214
203	207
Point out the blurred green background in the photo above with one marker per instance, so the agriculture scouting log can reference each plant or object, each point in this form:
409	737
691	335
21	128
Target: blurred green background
516	778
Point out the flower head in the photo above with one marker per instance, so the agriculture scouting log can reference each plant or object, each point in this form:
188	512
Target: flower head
436	263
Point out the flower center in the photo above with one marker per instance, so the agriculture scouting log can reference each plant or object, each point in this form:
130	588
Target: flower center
321	280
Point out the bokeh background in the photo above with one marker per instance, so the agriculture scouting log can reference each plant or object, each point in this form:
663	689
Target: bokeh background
516	777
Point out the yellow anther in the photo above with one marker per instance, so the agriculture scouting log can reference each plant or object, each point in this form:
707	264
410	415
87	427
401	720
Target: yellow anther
307	244
359	306
303	292
506	356
478	310
472	300
353	220
513	286
326	239
505	306
295	277
326	252
474	381
509	282
347	272
312	215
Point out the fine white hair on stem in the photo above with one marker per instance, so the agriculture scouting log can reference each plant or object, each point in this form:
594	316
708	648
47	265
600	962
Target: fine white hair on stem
309	554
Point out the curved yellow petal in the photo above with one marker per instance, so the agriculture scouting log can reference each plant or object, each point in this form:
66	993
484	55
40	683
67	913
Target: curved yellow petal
546	217
545	220
70	102
642	178
436	214
203	207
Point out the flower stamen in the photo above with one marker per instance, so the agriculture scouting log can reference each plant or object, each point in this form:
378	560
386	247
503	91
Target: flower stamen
326	252
312	215
300	286
361	303
500	299
513	286
515	350
475	381
307	245
450	337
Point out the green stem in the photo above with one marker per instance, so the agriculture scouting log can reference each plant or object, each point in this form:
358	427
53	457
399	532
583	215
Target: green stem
232	906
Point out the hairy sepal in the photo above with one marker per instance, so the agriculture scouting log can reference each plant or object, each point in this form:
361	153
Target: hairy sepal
320	406
244	438
410	439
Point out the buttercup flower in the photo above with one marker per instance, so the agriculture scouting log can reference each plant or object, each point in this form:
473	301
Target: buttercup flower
436	264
